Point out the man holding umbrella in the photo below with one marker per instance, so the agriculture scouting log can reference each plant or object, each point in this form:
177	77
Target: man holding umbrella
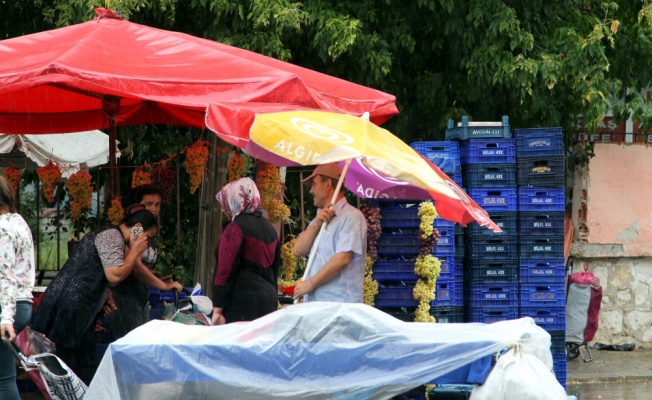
337	273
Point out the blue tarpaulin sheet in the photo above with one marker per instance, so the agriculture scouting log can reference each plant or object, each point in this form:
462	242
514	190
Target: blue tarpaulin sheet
305	351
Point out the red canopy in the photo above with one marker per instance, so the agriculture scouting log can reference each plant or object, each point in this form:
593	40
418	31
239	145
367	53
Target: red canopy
79	77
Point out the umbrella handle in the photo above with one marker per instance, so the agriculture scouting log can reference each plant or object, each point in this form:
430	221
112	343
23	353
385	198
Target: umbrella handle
315	244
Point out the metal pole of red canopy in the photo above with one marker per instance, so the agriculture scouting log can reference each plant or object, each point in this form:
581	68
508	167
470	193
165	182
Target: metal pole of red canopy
110	106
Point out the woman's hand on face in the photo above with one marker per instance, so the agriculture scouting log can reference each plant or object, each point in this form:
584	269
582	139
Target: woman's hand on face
8	332
139	245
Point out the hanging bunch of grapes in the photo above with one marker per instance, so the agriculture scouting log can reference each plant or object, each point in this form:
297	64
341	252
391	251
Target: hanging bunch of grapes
140	177
164	179
80	190
268	182
428	235
426	266
370	285
50	176
196	159
372	215
289	261
236	166
116	213
12	175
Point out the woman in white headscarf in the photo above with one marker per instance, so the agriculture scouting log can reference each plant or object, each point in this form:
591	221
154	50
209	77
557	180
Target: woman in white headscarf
247	258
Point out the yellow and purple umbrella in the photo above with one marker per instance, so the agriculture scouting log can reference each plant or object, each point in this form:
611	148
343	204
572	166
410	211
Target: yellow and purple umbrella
382	164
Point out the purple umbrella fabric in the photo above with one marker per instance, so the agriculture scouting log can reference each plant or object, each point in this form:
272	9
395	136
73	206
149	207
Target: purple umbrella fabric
366	183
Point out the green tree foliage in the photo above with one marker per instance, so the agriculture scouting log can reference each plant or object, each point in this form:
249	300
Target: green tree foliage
543	63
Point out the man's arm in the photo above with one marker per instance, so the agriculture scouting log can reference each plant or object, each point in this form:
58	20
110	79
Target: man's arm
146	276
333	268
304	242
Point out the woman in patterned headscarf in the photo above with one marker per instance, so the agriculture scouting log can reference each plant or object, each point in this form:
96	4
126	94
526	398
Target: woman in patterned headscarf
247	258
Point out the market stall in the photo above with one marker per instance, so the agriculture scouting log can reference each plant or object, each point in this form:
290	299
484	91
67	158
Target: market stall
308	351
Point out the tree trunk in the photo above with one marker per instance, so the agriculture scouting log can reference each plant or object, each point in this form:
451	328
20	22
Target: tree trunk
210	213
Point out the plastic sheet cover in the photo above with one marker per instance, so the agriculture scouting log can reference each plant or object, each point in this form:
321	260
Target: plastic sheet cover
305	351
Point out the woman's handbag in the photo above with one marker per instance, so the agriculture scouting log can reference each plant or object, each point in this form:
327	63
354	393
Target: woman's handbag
60	381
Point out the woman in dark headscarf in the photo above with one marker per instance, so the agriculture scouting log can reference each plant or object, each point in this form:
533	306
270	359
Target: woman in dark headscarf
76	296
247	258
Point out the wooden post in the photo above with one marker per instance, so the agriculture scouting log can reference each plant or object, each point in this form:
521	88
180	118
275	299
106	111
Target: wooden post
178	211
58	196
37	245
210	213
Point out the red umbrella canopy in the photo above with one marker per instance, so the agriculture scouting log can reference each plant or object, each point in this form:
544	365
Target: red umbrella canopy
75	78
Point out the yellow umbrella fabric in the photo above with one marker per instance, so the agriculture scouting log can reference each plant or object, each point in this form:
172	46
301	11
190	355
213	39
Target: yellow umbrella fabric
318	137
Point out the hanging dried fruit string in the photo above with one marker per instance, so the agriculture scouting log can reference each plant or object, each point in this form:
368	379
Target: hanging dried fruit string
80	190
164	179
370	286
270	187
196	158
116	213
50	176
289	264
426	266
141	176
236	166
12	175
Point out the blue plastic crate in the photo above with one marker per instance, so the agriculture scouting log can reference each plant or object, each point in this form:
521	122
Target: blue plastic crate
442	223
446	244
400	217
156	312
446	294
542	296
492	247
541	247
488	151
541	171
169	296
448	314
458	272
493	294
535	142
494	199
557	341
154	297
398	244
442	314
542	271
403	270
395	297
489	175
485	271
457	178
507	221
403	297
541	199
491	314
445	155
560	366
540	223
548	318
477	130
559	359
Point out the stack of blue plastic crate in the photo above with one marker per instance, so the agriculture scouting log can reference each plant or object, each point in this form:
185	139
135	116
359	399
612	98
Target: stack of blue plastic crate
399	246
488	159
541	201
